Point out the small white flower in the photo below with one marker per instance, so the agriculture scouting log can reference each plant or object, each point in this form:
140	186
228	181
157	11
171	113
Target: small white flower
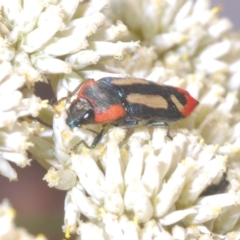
41	38
61	179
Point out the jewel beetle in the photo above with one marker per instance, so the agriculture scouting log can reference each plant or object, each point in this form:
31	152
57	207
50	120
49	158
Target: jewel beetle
127	102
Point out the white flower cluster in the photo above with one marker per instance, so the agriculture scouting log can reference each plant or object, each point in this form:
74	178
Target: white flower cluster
127	186
15	105
38	41
134	184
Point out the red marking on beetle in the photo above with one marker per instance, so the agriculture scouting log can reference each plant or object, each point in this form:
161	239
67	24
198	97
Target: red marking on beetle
191	102
86	85
111	114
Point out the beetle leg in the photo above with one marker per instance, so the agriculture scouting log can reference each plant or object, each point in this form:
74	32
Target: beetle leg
94	143
78	144
97	138
164	124
127	123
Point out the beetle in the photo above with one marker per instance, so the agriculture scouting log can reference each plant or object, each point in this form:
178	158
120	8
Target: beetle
127	102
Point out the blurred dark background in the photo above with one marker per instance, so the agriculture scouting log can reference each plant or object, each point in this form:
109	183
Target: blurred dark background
39	208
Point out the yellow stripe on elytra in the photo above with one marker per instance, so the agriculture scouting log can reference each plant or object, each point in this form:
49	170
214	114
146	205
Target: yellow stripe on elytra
129	81
152	101
178	105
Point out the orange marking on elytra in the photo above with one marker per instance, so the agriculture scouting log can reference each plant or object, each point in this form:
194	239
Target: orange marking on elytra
191	102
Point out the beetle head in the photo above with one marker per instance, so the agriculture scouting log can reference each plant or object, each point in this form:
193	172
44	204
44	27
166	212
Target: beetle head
79	113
